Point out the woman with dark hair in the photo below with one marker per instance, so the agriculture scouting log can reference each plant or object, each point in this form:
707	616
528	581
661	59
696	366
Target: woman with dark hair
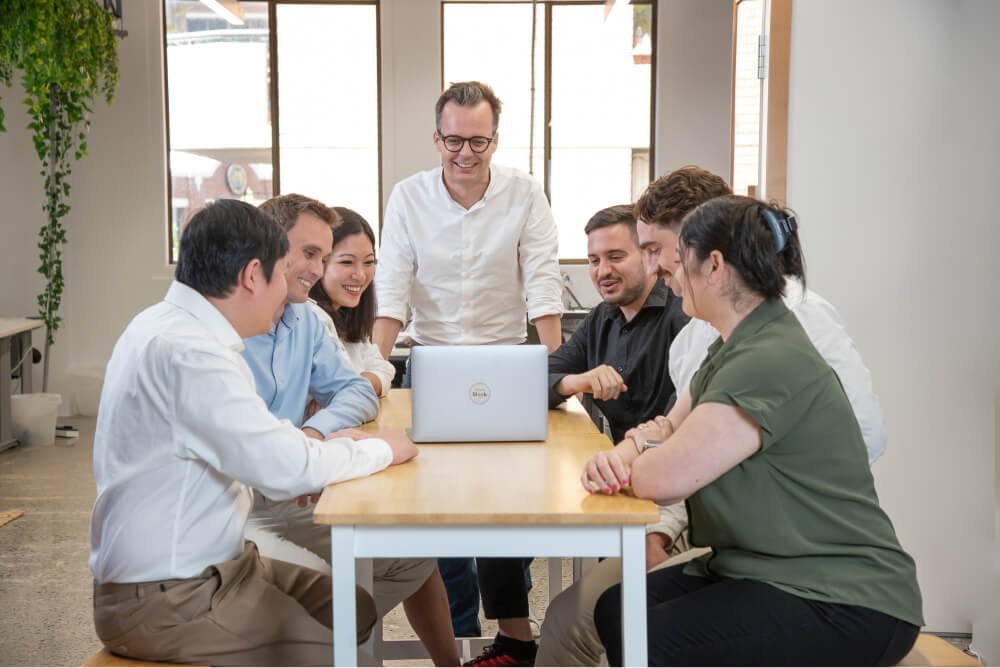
345	298
805	567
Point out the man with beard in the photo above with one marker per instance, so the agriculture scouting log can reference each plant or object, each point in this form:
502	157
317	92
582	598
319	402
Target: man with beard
618	355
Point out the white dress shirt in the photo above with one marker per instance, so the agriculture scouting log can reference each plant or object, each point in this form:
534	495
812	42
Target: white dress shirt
363	356
182	437
825	329
468	274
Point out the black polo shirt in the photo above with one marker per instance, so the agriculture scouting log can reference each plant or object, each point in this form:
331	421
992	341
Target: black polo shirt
638	350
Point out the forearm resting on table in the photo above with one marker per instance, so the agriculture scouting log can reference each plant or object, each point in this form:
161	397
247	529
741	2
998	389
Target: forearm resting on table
384	334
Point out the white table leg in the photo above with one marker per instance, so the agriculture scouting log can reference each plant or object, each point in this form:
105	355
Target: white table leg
345	622
634	596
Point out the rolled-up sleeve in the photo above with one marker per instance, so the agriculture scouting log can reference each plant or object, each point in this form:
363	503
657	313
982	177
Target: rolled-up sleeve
538	254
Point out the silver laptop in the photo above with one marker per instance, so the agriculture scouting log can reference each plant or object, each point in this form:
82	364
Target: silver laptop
479	393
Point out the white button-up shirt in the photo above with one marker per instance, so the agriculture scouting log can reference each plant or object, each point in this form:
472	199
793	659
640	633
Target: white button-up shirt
469	276
182	437
362	356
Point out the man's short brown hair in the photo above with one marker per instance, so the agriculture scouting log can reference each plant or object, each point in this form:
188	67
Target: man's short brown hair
286	209
669	198
468	94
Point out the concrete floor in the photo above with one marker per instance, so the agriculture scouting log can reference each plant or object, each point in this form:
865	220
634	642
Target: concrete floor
45	584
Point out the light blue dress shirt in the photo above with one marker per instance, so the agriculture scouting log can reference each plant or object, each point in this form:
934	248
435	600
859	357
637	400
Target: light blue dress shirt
298	360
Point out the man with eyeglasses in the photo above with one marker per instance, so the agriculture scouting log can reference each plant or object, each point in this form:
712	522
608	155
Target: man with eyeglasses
471	248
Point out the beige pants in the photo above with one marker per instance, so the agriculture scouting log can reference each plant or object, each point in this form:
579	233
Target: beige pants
273	523
569	635
250	611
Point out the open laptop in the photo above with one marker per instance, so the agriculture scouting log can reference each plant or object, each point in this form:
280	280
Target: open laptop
479	393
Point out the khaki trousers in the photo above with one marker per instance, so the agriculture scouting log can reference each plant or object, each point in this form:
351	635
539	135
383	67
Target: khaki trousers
273	524
569	635
250	611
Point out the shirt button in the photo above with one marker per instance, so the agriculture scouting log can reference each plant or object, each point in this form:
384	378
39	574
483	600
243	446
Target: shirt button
621	370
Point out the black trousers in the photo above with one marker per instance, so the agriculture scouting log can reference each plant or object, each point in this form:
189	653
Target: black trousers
504	584
694	621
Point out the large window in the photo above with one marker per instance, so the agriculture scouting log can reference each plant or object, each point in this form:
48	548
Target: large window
761	36
233	135
586	131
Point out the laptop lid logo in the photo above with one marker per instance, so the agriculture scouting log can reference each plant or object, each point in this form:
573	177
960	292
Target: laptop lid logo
479	393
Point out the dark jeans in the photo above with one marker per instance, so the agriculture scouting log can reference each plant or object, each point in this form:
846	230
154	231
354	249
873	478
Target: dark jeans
504	584
694	621
462	585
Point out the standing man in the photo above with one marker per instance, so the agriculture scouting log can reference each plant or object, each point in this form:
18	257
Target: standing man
618	354
181	438
297	360
471	248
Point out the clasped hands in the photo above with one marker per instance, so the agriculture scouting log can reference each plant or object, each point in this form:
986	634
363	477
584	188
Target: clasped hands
610	470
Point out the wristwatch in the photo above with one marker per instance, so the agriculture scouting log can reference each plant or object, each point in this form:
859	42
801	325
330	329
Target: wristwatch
649	443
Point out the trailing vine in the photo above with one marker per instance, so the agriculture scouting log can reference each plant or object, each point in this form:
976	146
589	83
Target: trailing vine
67	53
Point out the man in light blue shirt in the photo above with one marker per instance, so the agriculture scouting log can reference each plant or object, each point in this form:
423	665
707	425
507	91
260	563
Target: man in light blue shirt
297	361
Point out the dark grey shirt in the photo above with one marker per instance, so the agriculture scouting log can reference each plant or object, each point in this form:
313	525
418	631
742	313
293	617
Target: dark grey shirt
637	350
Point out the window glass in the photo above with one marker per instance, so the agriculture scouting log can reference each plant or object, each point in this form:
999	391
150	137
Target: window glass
600	90
747	90
328	99
219	117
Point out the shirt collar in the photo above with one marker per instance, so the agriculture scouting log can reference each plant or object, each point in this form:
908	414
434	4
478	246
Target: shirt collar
491	188
290	316
190	300
657	298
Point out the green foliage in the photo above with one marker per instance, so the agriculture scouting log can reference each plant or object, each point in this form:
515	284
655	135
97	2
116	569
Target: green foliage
67	54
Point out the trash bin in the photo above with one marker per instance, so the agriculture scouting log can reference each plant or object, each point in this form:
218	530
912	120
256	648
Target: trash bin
33	417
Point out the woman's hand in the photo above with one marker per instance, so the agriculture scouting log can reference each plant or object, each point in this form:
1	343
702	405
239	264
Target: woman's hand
657	429
610	470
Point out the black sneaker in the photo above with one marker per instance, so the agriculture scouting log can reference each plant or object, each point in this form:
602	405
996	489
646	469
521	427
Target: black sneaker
506	651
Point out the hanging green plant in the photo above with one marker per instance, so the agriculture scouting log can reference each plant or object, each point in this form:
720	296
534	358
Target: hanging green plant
67	53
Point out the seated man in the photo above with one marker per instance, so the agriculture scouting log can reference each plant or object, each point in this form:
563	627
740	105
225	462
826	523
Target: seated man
618	353
181	439
569	636
297	359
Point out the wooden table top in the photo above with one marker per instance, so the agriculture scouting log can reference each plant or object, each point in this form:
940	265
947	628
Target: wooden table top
12	326
485	483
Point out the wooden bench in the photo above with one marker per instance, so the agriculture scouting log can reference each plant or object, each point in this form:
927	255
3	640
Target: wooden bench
933	651
929	651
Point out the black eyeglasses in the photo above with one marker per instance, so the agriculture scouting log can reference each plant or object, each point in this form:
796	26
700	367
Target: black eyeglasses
454	143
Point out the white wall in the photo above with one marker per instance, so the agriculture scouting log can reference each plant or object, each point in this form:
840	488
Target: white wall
892	148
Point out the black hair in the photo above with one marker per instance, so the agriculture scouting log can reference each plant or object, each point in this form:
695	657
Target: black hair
620	214
736	227
353	324
220	240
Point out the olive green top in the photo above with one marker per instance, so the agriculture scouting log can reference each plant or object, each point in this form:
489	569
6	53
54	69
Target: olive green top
801	513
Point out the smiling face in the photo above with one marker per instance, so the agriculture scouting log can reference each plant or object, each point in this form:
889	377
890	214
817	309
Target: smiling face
465	168
659	245
349	271
616	266
309	243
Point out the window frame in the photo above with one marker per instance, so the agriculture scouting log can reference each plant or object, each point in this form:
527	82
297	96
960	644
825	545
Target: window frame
547	83
773	151
272	40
